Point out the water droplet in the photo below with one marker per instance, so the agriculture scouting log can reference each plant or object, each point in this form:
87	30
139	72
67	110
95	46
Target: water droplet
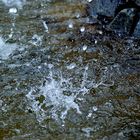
71	66
89	115
39	67
89	0
100	32
13	10
77	15
95	108
96	41
36	40
86	68
45	26
82	29
28	64
70	25
45	64
84	47
50	66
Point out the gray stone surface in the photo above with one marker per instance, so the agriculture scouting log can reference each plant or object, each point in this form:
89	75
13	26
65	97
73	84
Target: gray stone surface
123	21
103	7
137	29
138	2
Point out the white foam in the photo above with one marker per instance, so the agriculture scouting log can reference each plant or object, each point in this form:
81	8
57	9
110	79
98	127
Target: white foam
6	49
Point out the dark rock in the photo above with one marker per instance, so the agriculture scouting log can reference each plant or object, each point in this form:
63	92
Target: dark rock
126	4
137	29
103	7
123	22
138	2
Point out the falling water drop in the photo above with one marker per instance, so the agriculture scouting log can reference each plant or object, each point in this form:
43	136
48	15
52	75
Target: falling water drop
13	10
82	29
84	47
95	108
70	25
89	0
71	66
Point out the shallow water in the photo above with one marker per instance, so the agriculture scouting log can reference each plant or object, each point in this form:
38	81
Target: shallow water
63	77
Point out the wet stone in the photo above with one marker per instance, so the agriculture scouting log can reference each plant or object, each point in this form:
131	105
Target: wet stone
65	78
123	22
138	2
103	7
137	29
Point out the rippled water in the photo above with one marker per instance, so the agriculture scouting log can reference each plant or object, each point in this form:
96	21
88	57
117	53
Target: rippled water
63	77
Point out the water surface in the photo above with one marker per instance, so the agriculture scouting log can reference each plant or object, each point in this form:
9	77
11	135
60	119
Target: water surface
63	77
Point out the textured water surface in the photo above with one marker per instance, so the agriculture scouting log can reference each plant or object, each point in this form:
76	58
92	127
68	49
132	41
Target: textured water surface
61	77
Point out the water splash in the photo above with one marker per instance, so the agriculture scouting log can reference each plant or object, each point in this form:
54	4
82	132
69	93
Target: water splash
56	96
36	40
6	49
45	26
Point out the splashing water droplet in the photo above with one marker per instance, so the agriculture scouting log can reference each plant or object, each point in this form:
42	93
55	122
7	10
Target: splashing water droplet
50	66
70	25
95	108
45	26
89	0
96	41
54	97
82	29
71	66
100	32
36	40
77	15
89	115
84	47
13	10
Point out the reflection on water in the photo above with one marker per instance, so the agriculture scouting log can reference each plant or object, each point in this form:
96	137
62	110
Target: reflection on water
64	78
